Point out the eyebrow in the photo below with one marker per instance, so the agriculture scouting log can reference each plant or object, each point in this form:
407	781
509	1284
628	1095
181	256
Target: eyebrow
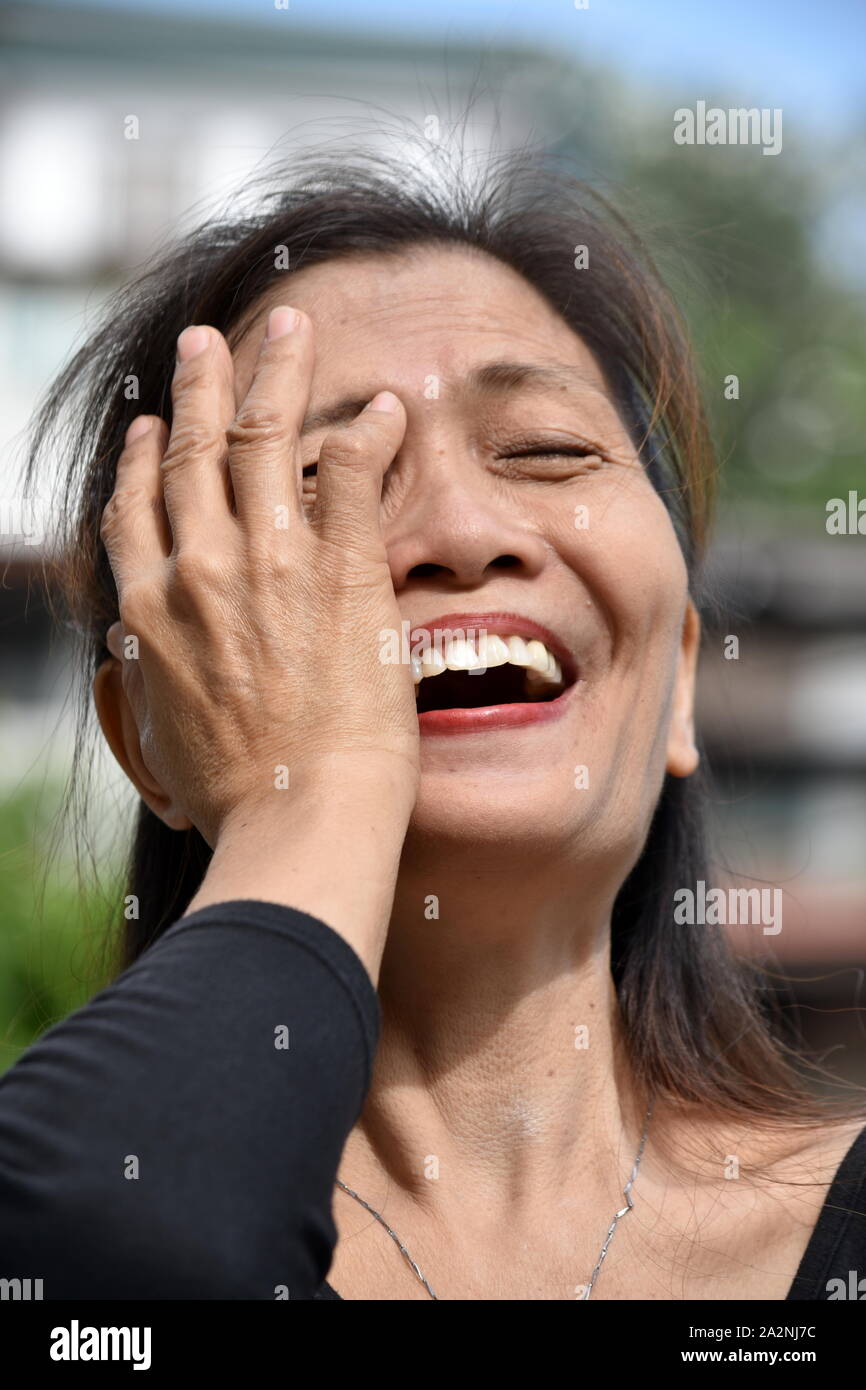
490	379
504	376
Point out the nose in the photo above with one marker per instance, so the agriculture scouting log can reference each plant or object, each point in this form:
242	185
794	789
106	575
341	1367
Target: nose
455	532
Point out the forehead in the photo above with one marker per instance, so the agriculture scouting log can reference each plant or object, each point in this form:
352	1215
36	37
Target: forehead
426	311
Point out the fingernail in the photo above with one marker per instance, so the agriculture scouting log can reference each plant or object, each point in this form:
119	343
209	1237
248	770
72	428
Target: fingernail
281	321
385	400
140	425
191	342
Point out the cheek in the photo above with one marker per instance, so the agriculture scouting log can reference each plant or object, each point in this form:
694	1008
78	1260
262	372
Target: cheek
634	587
619	539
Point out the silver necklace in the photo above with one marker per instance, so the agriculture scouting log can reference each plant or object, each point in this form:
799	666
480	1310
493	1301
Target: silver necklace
623	1211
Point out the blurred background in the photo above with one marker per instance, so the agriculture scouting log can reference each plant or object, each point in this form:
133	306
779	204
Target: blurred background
767	256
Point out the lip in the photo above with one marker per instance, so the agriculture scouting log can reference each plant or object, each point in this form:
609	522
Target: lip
492	717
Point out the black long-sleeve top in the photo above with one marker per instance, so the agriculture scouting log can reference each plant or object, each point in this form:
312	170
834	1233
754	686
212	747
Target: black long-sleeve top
179	1136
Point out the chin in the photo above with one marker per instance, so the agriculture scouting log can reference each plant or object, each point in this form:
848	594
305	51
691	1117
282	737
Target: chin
498	810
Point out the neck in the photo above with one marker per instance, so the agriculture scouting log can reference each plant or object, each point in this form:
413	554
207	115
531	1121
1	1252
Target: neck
500	1063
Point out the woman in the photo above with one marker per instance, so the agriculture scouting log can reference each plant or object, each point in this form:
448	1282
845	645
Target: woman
390	592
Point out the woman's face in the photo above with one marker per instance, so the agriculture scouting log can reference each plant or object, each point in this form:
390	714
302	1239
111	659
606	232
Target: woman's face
516	492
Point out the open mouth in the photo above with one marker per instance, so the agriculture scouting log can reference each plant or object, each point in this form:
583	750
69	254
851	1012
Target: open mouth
491	670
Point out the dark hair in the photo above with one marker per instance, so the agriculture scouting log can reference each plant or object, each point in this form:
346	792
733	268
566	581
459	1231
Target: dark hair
694	1017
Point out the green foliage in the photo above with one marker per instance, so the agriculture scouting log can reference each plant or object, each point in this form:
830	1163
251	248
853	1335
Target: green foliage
741	240
746	243
53	936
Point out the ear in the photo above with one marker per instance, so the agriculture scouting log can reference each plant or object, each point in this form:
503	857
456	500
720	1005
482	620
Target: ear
121	734
683	758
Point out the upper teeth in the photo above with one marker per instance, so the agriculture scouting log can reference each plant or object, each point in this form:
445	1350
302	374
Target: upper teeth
486	650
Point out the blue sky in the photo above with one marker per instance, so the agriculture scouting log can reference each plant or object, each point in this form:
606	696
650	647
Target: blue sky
804	56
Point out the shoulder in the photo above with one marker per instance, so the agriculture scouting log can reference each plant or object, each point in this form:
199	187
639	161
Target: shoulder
774	1176
804	1187
766	1206
781	1152
817	1154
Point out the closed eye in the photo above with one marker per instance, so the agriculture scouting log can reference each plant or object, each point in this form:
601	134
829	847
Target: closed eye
587	451
551	453
550	462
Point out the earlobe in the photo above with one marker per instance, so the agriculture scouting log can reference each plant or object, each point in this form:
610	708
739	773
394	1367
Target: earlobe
118	724
683	756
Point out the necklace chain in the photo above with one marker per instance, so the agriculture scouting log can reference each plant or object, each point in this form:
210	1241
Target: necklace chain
588	1288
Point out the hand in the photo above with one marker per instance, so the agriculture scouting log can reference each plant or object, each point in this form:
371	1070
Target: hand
257	620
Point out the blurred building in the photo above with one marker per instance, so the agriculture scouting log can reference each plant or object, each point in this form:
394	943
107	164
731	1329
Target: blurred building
785	721
785	727
82	204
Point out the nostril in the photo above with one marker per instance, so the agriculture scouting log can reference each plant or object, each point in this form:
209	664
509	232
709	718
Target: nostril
425	571
432	571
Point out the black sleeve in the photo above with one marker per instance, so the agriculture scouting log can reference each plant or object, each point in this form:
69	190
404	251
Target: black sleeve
179	1136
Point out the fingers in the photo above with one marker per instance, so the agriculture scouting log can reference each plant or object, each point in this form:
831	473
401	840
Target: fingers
172	490
195	467
352	463
264	457
134	527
